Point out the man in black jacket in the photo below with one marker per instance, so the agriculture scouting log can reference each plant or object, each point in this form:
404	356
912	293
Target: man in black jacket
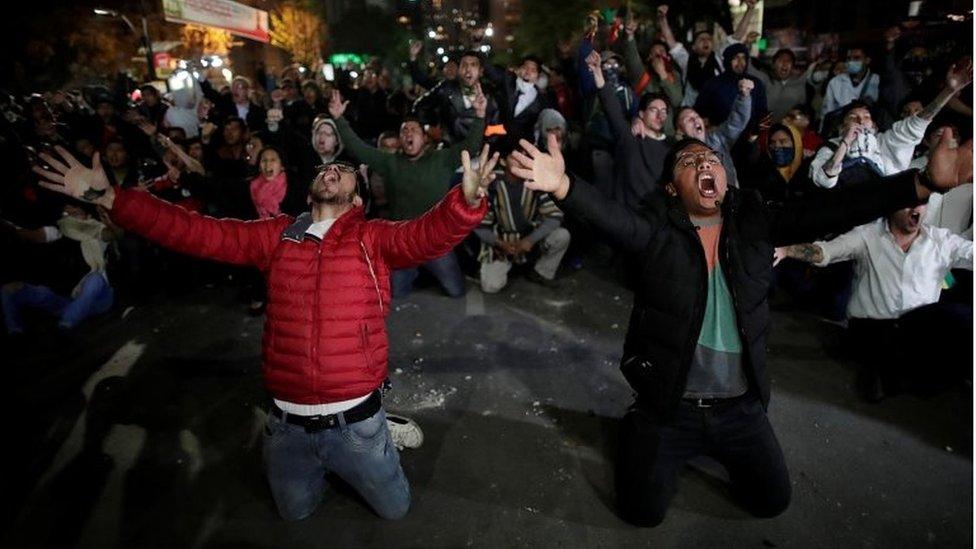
451	103
695	346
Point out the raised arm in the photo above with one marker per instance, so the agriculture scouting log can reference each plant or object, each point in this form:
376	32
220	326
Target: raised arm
636	73
662	23
814	216
373	157
476	132
405	244
743	28
547	173
418	75
227	240
611	106
730	130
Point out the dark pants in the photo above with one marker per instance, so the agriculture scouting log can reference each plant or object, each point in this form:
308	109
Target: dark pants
935	340
736	434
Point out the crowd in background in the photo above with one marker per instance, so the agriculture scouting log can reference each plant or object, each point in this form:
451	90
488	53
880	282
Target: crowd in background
784	125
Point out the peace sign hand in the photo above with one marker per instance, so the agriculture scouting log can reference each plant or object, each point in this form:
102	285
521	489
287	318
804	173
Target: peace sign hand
475	182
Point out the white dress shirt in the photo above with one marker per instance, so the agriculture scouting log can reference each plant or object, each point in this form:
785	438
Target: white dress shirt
889	282
891	151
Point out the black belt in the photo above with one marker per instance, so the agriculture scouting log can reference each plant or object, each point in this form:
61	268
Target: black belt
712	402
364	410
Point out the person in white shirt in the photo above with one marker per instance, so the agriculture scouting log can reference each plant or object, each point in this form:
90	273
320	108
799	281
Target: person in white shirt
860	153
858	83
895	313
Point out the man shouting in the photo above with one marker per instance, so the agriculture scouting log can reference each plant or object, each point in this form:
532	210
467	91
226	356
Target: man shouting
695	348
325	344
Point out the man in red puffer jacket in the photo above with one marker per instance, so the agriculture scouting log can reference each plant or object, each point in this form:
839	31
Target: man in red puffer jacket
325	343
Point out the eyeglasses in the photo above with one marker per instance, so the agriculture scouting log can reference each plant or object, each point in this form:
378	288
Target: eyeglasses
689	160
339	165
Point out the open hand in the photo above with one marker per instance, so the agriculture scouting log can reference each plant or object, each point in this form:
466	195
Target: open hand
960	75
475	181
337	107
72	178
950	166
662	11
415	47
541	171
593	62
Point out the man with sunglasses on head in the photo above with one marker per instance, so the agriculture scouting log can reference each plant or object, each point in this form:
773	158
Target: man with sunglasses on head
695	347
325	346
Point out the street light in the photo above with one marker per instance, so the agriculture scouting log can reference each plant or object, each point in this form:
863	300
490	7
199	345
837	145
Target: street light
145	36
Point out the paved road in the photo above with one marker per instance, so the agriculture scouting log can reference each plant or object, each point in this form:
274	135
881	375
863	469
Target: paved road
148	435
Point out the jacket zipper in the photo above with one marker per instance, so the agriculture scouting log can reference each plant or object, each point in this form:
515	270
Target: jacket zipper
315	317
372	273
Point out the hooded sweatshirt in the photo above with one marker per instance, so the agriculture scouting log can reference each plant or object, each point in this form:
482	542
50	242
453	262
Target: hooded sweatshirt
183	113
718	94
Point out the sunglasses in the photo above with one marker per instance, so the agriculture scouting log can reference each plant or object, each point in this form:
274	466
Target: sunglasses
340	165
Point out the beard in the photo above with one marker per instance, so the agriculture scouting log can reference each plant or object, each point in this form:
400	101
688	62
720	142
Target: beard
336	199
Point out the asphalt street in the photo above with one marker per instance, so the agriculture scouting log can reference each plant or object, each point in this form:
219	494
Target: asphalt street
144	430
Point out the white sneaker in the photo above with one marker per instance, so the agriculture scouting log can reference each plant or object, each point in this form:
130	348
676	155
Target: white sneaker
404	431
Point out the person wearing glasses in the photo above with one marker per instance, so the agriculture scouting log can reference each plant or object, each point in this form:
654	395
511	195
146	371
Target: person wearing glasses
325	344
695	347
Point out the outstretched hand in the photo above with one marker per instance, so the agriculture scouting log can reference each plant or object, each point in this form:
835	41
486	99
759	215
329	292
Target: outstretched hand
593	62
337	107
950	166
67	175
475	181
541	171
960	75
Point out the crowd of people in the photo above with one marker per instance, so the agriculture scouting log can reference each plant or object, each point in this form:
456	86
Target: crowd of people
701	164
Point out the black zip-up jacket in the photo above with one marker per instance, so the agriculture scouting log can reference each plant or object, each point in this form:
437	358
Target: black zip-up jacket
671	285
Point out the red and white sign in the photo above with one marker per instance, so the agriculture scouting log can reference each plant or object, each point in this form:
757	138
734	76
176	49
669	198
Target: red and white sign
224	14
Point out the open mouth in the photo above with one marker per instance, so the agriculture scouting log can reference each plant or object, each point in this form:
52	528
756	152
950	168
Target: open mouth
915	218
706	185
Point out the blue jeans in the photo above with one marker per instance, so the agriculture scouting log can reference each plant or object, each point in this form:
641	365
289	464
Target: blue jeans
95	296
361	453
445	269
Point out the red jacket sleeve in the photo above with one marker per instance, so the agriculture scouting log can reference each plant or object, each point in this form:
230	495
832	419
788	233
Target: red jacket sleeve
228	240
404	244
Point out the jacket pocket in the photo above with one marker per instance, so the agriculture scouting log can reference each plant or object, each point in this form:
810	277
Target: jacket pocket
367	352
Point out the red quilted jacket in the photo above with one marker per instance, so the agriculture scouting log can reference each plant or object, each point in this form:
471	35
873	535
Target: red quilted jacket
325	333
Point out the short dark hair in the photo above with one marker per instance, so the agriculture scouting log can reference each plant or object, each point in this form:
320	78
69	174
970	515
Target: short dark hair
681	110
411	118
646	99
787	52
672	157
237	119
532	58
266	148
855	104
388	134
804	109
471	53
